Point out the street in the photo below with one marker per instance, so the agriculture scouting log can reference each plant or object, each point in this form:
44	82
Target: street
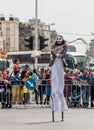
36	118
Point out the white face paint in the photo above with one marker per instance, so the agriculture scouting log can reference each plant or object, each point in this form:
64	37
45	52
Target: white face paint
59	38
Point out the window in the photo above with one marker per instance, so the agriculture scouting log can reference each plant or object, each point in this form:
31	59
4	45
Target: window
7	26
25	58
44	58
81	61
0	25
7	40
2	65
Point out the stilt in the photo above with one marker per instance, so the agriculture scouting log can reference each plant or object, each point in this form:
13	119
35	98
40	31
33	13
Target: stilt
53	116
62	116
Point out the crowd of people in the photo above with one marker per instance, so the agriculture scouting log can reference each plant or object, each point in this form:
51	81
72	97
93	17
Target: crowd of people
79	86
14	91
60	86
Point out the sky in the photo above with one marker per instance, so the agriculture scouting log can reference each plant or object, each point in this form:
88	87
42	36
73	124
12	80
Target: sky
72	18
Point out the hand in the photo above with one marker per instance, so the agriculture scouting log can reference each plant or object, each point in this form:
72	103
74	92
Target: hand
58	48
54	51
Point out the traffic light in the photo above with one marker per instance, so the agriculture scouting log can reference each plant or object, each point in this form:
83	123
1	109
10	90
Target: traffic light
30	45
42	45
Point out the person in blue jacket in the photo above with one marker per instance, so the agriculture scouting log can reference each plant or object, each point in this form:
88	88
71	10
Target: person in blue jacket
85	87
16	88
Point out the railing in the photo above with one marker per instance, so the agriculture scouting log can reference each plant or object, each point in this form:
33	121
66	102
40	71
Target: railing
77	94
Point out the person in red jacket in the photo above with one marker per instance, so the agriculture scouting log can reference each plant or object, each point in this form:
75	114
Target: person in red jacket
16	67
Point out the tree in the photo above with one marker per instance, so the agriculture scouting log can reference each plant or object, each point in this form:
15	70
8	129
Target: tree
42	45
25	30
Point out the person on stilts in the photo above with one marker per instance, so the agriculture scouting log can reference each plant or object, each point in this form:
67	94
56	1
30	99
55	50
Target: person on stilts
58	64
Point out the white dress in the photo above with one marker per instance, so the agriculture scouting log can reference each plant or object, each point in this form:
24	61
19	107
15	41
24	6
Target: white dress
58	102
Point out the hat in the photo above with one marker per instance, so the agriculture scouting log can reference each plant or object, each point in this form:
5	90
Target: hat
59	38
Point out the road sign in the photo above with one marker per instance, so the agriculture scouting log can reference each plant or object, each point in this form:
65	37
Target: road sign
30	84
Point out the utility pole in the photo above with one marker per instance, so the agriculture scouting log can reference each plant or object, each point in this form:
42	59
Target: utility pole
36	32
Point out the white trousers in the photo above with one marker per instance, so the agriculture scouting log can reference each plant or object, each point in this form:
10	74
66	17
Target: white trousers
57	100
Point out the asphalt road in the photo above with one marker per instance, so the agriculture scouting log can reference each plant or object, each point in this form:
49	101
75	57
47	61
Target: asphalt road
36	118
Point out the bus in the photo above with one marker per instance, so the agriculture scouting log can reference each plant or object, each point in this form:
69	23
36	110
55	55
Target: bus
6	64
81	60
28	57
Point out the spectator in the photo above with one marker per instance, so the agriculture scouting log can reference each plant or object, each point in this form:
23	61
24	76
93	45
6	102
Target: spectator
16	67
41	88
16	88
84	79
68	85
47	89
26	69
6	93
26	92
75	96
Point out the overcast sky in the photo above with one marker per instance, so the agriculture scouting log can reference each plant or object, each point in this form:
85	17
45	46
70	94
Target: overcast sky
69	16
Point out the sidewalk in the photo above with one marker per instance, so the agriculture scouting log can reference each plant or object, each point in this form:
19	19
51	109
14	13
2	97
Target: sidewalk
41	119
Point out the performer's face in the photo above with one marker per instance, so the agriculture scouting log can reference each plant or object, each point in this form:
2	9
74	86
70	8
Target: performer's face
59	42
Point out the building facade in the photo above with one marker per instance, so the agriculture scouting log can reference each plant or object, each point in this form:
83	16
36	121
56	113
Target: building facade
10	33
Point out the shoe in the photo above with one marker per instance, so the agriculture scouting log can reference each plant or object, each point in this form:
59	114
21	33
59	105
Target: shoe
4	106
85	106
37	103
9	106
41	103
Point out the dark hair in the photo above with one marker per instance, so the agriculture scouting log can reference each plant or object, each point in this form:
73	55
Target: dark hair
34	70
48	76
26	66
30	73
15	60
16	72
63	42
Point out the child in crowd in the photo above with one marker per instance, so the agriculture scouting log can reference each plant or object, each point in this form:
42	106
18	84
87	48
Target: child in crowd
26	92
75	96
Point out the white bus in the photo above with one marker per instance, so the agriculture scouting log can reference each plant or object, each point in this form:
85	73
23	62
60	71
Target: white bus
81	60
6	64
27	57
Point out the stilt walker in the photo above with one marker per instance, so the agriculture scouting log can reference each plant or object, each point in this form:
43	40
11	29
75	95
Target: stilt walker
58	62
